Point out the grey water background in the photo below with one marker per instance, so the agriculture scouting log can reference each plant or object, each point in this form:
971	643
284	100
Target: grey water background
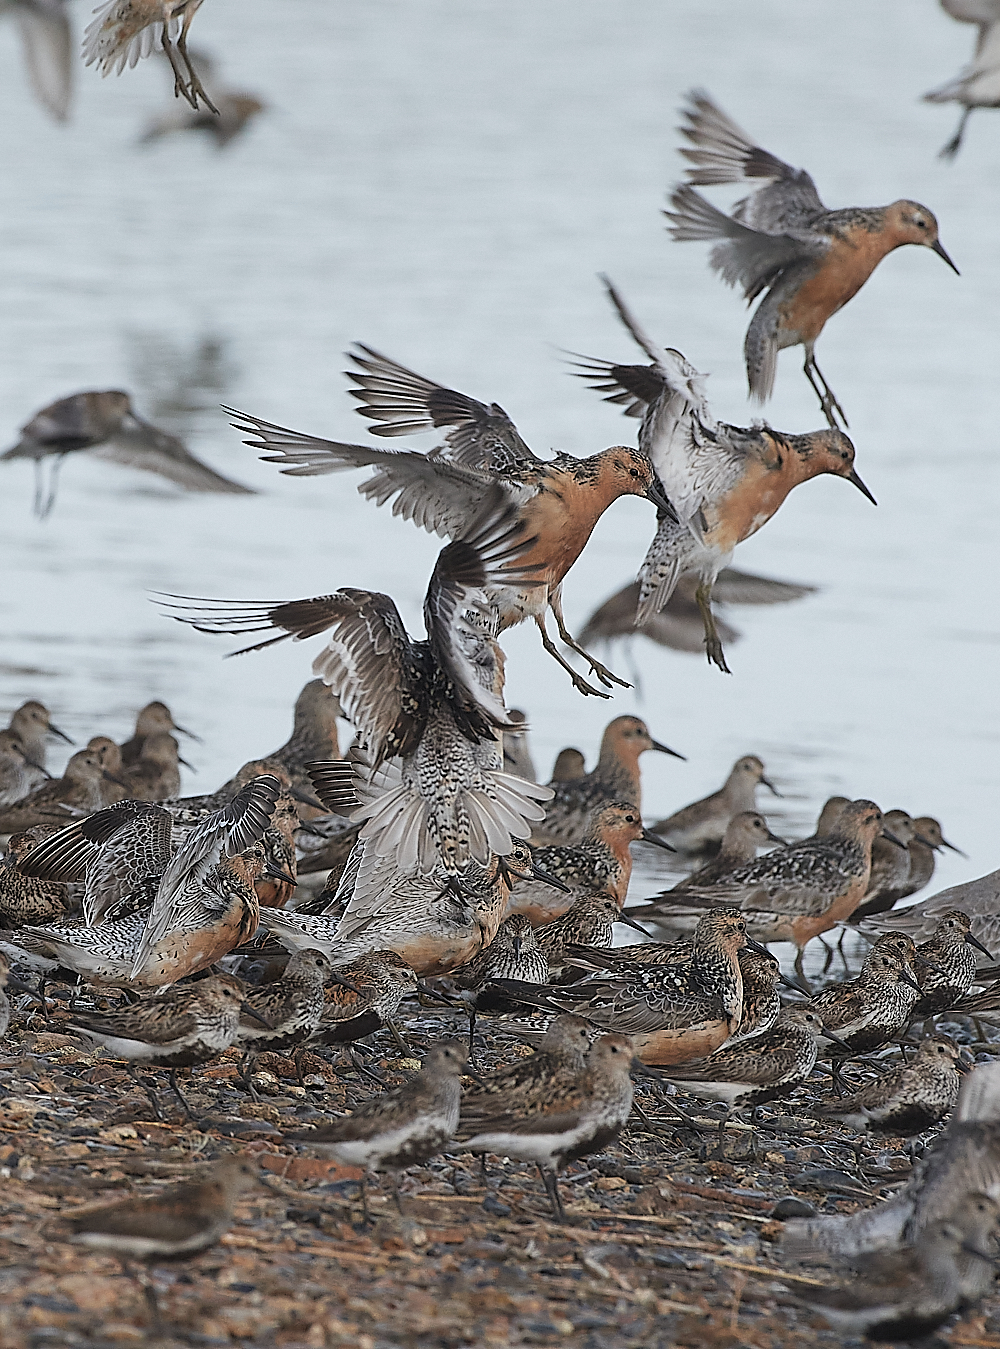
444	179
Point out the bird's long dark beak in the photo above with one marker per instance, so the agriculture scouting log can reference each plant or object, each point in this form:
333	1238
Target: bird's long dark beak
539	875
275	874
20	987
470	1072
829	1035
793	984
938	248
33	763
773	838
893	839
952	847
659	498
758	947
665	749
649	837
186	764
630	922
255	1016
927	842
637	1066
855	477
429	992
517	945
307	799
54	730
974	941
111	778
905	978
918	959
769	785
334	978
190	734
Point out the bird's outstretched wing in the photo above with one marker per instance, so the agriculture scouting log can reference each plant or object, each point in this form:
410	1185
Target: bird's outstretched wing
442	497
48	41
140	445
481	435
723	153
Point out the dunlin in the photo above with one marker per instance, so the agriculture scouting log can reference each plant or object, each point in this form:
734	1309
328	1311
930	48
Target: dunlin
106	423
234	109
616	777
19	776
701	827
25	899
678	625
403	1127
761	1069
178	1028
782	239
155	775
179	1221
33	727
908	1099
154	719
872	1009
906	1295
84	787
372	988
514	953
949	967
580	1118
287	1011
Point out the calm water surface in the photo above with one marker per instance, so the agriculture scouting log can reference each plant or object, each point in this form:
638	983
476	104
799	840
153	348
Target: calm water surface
443	179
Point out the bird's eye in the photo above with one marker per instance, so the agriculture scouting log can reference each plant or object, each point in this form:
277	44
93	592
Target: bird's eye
634	472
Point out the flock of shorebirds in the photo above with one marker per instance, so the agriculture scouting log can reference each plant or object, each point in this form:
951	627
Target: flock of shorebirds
308	898
305	902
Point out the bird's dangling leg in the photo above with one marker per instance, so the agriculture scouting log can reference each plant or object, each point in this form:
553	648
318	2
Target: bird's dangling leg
950	150
827	398
713	642
579	683
606	676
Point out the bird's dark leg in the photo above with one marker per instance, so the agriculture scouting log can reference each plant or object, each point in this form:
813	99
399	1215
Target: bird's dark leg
50	500
179	1094
246	1073
180	83
950	150
551	1182
799	971
148	1291
829	955
713	643
602	672
365	1216
400	1042
195	88
147	1090
39	478
827	398
484	1174
395	1193
297	1060
579	683
472	1027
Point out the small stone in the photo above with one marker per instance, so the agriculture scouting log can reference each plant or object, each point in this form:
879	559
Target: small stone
607	1183
789	1207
